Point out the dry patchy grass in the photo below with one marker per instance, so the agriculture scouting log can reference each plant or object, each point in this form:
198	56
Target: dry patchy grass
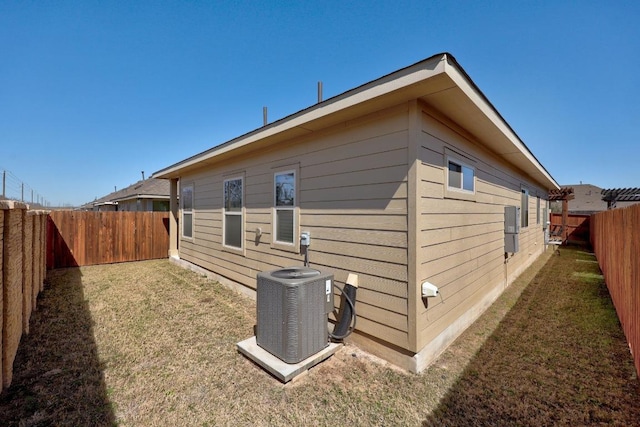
151	344
559	357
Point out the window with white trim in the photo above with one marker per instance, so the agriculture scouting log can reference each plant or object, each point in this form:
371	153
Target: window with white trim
460	176
538	210
284	206
233	204
186	198
524	207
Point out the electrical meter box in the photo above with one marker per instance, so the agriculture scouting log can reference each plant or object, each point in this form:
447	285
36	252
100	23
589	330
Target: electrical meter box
511	244
511	229
511	220
545	218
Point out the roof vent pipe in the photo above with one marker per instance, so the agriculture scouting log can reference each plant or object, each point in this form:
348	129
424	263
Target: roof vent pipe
264	116
319	92
142	175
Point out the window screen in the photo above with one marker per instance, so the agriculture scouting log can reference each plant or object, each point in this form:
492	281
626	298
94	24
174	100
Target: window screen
285	201
233	212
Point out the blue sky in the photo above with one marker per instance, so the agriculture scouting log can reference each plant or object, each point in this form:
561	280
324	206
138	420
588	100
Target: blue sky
94	92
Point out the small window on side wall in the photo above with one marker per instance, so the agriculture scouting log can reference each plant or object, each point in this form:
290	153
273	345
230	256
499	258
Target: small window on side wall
460	176
186	199
284	206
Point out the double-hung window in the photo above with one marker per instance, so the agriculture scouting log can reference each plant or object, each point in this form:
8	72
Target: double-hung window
233	203
285	213
186	198
284	206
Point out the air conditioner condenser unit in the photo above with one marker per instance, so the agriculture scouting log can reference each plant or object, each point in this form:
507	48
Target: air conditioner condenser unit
293	306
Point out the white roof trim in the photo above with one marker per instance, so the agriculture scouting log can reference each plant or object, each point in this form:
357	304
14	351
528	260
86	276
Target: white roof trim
414	81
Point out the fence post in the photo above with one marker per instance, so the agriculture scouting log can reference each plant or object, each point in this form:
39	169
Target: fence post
12	285
1	294
173	218
27	268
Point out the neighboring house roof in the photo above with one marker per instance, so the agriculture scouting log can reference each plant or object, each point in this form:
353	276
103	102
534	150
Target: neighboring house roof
589	199
439	81
147	189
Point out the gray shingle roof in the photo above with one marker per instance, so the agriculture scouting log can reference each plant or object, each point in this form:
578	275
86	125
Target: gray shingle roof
151	188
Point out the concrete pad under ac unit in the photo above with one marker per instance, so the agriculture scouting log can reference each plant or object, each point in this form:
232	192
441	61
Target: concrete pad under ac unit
285	372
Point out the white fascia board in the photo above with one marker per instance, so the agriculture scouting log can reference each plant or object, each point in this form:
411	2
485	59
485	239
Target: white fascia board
380	87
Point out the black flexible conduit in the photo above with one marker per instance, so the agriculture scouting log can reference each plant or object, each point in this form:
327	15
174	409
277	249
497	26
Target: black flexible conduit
347	322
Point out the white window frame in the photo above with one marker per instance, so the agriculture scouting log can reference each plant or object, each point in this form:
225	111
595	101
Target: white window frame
239	213
293	247
538	210
187	212
524	207
291	208
460	192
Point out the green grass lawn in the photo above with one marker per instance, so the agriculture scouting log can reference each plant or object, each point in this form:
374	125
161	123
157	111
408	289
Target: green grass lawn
147	343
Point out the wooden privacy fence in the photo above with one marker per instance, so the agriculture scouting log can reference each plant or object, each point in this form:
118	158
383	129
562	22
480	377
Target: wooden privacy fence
76	238
577	226
615	237
22	274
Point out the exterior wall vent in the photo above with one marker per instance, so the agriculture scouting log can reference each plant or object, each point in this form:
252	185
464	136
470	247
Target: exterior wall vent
293	305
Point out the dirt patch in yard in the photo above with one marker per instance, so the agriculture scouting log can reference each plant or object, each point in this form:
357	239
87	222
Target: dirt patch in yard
149	343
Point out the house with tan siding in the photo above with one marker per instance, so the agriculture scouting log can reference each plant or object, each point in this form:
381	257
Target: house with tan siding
400	181
146	195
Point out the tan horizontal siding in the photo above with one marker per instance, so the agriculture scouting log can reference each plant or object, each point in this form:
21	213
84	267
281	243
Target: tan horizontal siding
388	302
461	242
351	177
365	221
360	265
381	285
444	314
454	297
357	207
352	197
381	331
364	251
372	154
448	270
436	221
394	239
384	192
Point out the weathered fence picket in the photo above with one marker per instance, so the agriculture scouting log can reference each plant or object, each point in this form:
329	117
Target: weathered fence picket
78	238
615	237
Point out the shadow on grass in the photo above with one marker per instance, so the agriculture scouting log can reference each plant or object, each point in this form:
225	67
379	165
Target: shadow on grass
559	357
58	378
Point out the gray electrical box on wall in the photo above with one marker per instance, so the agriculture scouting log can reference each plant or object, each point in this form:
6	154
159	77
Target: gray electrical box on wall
511	229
